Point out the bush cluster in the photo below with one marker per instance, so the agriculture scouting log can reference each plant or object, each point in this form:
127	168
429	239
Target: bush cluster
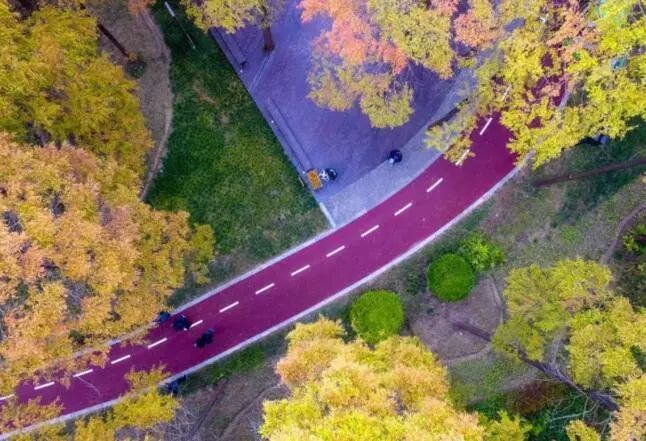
451	277
481	254
377	315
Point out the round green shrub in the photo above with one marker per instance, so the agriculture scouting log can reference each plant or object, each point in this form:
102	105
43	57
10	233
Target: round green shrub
377	315
451	277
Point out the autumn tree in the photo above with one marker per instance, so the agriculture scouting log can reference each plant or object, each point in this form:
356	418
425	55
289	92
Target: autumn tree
235	15
567	322
564	71
349	391
56	86
142	409
82	260
370	43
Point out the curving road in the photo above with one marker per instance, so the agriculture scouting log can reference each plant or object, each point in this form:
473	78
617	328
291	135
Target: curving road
297	283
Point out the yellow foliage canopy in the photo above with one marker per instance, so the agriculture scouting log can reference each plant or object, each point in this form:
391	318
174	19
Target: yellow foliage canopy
82	260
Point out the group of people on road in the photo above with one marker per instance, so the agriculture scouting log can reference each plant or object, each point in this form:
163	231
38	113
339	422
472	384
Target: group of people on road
182	323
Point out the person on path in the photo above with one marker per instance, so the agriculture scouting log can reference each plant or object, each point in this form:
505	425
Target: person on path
204	339
181	322
162	317
394	157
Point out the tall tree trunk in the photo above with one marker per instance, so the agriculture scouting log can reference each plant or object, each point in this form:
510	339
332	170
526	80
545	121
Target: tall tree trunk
597	171
27	7
113	39
268	38
599	397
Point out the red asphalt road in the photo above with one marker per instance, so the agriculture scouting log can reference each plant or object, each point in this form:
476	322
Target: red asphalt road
300	280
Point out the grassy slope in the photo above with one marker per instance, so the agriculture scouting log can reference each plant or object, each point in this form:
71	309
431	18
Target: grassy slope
224	164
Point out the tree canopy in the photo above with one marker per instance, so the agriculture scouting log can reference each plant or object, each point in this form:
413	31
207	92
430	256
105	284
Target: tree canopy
82	259
568	317
56	86
564	71
370	43
348	391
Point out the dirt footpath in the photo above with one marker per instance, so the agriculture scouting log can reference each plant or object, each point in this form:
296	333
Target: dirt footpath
140	35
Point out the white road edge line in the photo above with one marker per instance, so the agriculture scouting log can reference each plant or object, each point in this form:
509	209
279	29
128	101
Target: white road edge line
486	125
432	187
6	397
80	374
119	360
365	233
196	323
158	342
300	270
226	308
265	288
333	252
404	208
43	386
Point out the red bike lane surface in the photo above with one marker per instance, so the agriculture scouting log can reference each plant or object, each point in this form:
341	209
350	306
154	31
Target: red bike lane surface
299	281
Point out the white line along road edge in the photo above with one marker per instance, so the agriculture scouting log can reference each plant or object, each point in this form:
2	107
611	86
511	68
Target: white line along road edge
290	320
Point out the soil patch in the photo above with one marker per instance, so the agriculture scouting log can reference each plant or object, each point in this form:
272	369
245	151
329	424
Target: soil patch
431	321
141	36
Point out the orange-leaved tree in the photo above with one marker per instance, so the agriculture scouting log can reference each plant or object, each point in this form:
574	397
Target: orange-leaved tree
82	260
369	44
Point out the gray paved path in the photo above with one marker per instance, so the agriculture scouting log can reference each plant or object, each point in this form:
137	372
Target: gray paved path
317	137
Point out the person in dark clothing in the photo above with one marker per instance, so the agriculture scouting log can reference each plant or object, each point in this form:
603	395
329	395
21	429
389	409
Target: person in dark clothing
162	317
204	339
181	322
395	156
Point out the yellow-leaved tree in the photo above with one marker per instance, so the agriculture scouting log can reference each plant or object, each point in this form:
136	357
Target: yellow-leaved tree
143	409
350	391
363	56
567	322
82	260
56	86
562	71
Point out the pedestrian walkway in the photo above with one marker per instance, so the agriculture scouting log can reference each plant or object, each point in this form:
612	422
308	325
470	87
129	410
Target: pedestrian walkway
314	137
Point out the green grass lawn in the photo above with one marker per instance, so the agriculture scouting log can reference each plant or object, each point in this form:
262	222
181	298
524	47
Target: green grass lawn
224	165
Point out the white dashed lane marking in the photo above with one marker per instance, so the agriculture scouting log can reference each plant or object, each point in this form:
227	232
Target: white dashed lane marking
158	342
226	308
80	374
196	323
6	397
43	386
404	208
119	360
365	233
265	288
435	184
333	252
300	270
485	126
